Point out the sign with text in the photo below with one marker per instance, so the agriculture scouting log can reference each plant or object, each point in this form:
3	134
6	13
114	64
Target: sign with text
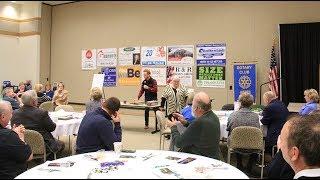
129	75
129	56
153	56
244	79
180	55
107	57
184	73
211	54
158	74
110	76
211	76
88	59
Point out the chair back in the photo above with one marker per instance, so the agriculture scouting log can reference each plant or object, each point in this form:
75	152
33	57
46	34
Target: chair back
48	106
227	107
67	108
246	137
35	140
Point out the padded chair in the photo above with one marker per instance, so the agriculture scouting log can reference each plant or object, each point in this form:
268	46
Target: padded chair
35	140
48	106
246	140
163	129
227	107
67	108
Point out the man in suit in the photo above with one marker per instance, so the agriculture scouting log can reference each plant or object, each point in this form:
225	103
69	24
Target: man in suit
14	152
274	116
202	136
300	143
37	119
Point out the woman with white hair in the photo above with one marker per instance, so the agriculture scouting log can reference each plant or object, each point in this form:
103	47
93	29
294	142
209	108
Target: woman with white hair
176	95
312	97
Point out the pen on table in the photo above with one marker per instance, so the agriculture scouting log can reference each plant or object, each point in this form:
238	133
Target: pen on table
161	166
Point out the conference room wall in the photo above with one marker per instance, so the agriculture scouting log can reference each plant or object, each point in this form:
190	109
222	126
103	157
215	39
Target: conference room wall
247	28
45	41
20	56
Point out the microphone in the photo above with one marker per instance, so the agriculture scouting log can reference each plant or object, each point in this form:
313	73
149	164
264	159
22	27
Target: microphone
280	78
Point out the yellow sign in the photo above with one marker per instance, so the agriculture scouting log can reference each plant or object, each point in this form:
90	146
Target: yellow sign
129	75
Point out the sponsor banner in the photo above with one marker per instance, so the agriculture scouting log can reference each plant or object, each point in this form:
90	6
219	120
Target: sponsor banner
129	75
107	57
129	56
153	56
180	55
110	76
88	59
244	79
211	76
158	74
211	54
184	73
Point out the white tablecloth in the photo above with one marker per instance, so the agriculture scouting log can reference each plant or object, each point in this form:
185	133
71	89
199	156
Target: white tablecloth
66	127
223	117
139	167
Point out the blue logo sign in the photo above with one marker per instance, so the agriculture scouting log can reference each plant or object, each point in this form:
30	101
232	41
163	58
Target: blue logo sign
244	79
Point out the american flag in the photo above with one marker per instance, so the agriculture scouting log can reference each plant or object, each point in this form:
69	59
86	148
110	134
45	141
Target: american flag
273	73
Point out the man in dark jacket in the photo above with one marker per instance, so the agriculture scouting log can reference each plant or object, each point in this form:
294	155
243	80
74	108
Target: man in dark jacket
38	120
14	152
202	136
149	88
274	116
96	129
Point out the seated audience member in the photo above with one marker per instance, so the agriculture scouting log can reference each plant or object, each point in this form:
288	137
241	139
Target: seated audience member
21	89
244	117
41	96
96	130
48	91
203	135
37	119
14	152
300	144
274	116
10	96
60	96
175	94
95	99
187	111
28	85
311	96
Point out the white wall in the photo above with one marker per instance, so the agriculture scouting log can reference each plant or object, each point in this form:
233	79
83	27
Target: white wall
20	56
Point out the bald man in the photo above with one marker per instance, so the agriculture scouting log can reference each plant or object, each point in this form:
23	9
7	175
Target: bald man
274	116
202	136
14	152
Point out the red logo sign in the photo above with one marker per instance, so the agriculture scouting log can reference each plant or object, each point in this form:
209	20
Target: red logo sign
88	54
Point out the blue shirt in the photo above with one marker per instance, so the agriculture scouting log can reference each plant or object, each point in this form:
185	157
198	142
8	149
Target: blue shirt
49	93
186	113
96	132
307	108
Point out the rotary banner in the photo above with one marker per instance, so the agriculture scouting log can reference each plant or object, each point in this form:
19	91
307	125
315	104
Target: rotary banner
244	79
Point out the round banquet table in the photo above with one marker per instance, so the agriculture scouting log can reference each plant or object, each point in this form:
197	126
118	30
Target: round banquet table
143	164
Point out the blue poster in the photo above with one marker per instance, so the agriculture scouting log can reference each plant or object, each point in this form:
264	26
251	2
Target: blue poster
110	76
244	79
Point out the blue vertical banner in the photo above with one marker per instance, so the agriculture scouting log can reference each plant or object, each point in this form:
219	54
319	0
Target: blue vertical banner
110	76
244	79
